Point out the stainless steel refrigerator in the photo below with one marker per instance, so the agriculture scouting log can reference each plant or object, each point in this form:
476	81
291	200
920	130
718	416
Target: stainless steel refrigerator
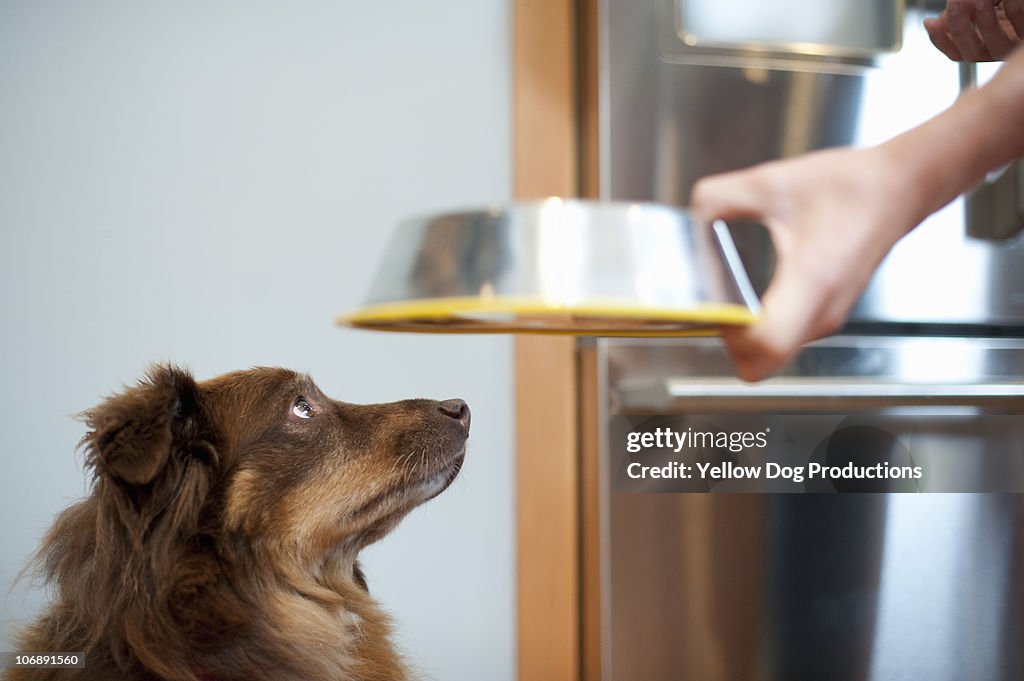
899	582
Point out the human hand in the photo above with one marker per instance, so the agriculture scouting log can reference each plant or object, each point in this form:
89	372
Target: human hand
978	30
833	215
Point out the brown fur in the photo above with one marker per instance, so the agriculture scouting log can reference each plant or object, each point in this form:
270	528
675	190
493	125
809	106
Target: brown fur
220	537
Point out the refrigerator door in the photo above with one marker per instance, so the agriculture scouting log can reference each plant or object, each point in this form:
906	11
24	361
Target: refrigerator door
672	114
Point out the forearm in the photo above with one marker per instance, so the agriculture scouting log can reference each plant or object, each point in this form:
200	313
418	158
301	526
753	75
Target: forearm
952	152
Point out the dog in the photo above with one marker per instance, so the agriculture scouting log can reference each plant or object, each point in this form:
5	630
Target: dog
220	538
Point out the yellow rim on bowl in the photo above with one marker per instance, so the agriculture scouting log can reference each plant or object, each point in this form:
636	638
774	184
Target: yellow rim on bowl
507	314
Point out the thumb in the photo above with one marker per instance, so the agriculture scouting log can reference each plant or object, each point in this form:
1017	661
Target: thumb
736	195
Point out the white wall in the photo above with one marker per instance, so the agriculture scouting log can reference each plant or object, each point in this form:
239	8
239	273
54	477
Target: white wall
211	182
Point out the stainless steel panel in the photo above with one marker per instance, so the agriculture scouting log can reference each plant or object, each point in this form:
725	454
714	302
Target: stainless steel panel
843	373
666	124
995	209
859	586
823	35
802	586
792	587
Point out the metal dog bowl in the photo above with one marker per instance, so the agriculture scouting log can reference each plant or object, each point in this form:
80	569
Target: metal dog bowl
560	266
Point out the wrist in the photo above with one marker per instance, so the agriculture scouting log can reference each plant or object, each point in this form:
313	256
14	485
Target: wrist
949	154
1003	101
909	188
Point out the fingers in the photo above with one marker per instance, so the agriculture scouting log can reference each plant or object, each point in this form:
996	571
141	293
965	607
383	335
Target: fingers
997	43
1013	10
759	350
960	16
794	311
936	28
978	30
730	196
746	347
791	303
754	352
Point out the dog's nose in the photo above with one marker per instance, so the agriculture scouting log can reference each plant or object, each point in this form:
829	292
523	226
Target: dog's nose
456	409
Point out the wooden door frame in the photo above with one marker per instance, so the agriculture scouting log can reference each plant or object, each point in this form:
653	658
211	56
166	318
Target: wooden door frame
555	154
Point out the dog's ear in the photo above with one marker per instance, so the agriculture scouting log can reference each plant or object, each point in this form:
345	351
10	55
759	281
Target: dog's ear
133	432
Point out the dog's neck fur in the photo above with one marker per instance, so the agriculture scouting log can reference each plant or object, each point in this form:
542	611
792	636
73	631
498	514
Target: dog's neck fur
178	617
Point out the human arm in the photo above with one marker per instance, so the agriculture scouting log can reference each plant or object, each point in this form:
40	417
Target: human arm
833	215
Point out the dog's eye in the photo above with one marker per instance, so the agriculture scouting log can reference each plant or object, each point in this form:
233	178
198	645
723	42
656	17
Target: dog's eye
302	409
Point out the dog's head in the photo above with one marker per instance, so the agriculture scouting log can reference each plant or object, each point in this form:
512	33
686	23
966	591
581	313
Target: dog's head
249	493
264	457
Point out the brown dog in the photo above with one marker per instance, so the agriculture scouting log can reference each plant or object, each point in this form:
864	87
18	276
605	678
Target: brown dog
220	538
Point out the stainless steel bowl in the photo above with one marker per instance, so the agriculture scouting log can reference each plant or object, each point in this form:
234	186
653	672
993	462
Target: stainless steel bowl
560	266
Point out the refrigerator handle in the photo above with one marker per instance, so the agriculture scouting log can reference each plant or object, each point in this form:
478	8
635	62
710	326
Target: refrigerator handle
680	395
994	210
